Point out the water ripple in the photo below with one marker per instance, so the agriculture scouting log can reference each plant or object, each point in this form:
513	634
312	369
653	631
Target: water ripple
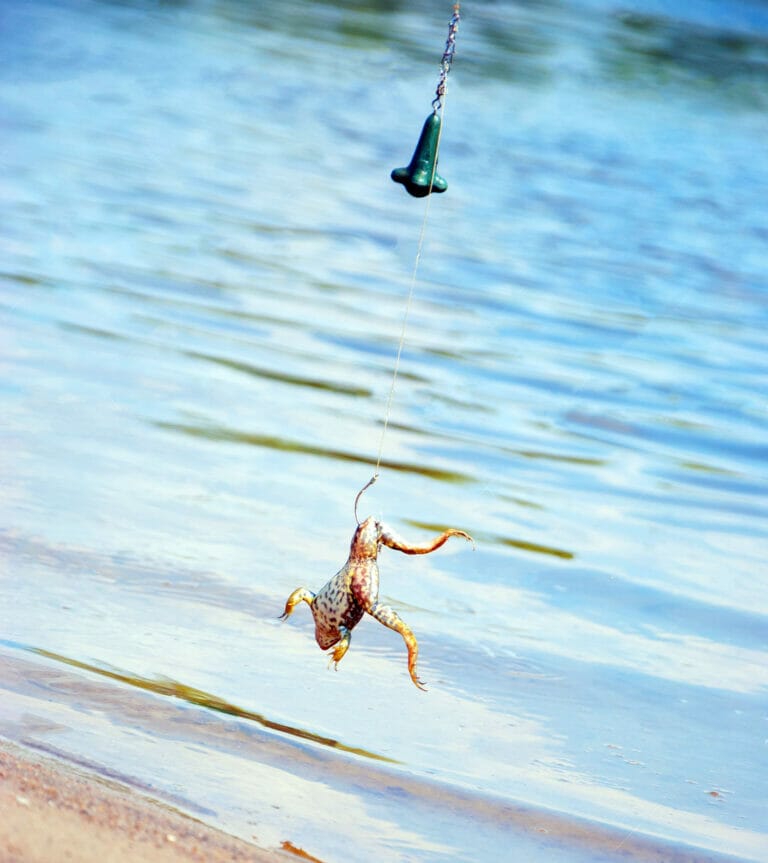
227	435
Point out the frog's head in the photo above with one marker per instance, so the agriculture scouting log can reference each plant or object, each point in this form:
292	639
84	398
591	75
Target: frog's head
365	542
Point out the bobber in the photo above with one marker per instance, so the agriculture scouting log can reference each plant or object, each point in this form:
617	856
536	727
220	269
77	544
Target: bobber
421	177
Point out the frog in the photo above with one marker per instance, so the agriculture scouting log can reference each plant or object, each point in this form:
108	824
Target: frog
354	591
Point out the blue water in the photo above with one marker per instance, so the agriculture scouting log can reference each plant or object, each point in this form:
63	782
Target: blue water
203	272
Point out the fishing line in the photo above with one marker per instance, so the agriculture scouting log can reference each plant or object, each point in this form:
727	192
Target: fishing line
406	313
420	179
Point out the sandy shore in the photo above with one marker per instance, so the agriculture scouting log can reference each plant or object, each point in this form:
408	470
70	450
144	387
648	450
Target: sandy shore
52	813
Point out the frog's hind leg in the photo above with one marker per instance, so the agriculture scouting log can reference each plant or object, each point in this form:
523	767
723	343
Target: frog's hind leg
301	594
390	539
384	614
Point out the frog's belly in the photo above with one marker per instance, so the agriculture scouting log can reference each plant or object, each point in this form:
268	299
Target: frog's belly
334	607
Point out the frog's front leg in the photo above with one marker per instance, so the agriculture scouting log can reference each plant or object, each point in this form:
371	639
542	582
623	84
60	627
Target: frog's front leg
390	539
384	614
301	594
341	648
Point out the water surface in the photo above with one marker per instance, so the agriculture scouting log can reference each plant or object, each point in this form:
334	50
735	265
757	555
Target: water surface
203	273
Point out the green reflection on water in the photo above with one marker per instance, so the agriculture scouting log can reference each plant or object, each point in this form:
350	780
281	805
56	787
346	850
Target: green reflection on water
219	433
174	689
96	332
282	377
701	467
559	457
535	547
660	50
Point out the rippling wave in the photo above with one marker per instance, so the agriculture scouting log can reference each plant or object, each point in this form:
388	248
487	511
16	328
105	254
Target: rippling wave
204	274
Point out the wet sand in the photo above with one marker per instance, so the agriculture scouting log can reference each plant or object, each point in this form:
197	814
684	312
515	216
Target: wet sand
52	812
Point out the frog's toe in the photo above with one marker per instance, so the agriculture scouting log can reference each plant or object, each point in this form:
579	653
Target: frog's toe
468	538
341	648
412	653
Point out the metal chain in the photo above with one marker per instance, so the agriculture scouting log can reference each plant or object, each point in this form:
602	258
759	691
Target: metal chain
445	63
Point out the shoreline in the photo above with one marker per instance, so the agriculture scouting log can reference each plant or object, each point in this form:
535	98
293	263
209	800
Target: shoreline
53	811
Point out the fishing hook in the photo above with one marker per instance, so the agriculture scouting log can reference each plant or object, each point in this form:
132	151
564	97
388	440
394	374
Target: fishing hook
370	482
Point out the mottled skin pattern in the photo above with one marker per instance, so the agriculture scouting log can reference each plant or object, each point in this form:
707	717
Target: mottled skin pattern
340	604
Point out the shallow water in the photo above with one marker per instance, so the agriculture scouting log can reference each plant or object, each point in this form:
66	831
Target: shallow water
203	273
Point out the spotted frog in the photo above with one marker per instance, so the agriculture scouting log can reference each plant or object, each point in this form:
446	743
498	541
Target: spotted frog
340	604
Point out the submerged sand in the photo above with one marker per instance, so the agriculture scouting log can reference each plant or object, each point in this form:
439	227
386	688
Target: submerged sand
51	812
